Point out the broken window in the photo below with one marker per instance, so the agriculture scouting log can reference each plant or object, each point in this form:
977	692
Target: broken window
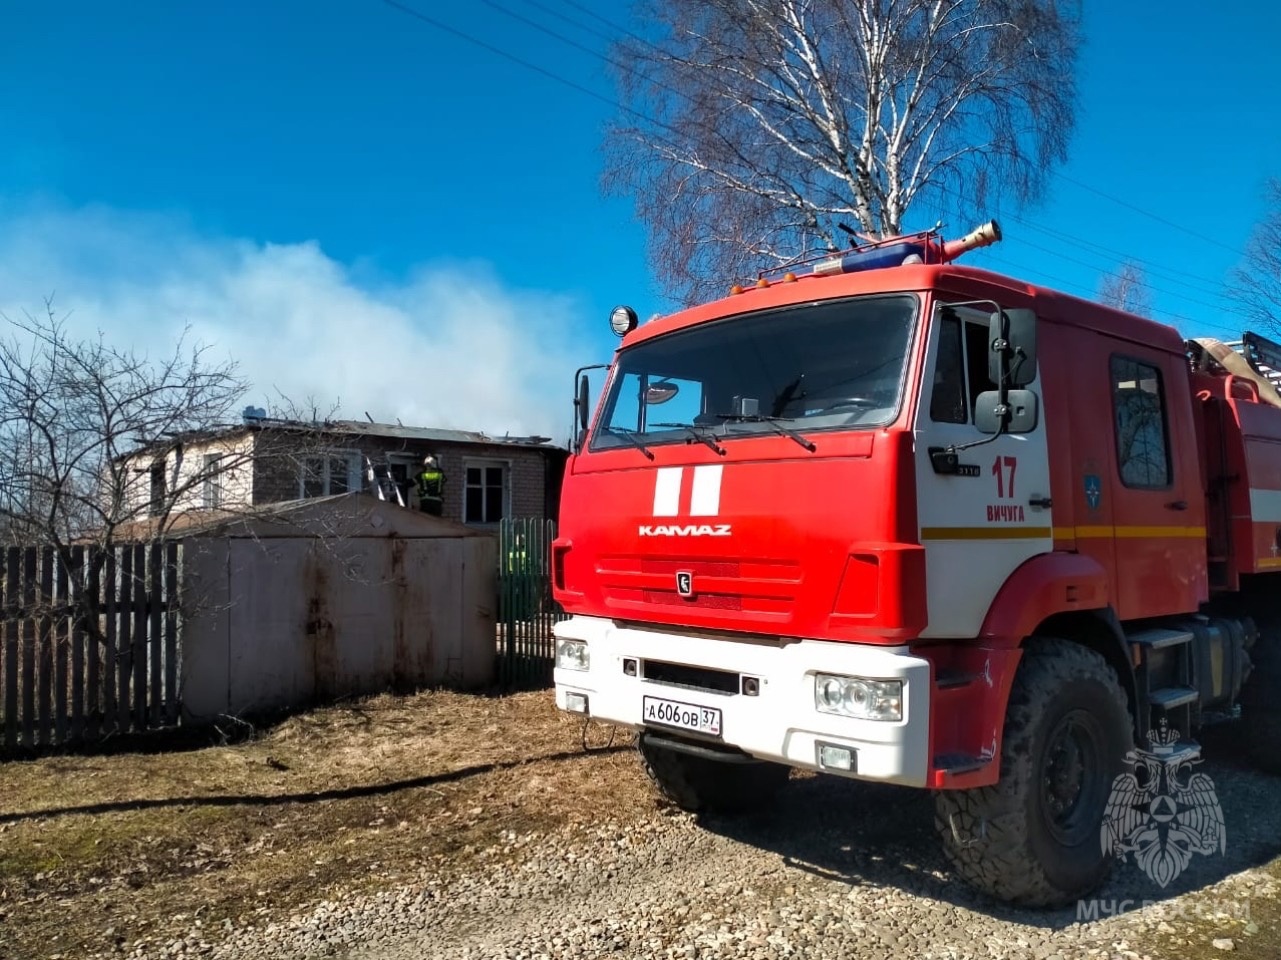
158	488
485	492
212	481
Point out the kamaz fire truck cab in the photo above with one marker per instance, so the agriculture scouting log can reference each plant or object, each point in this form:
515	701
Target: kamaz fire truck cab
887	517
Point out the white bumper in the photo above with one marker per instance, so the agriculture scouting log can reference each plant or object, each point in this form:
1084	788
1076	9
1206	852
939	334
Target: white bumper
781	723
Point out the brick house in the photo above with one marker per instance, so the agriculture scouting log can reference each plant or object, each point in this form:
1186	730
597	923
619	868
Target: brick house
268	461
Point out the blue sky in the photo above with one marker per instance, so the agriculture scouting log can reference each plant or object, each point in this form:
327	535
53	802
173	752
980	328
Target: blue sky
351	201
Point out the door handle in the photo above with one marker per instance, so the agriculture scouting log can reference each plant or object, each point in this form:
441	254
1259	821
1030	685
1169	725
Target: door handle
1039	502
1178	505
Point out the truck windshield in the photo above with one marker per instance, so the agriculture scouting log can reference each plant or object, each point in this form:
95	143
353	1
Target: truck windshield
835	364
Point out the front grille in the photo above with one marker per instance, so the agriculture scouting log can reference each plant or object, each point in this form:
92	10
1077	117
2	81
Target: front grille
709	601
760	587
700	568
693	678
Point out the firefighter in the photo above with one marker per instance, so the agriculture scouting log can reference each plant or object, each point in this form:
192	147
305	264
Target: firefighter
431	487
516	555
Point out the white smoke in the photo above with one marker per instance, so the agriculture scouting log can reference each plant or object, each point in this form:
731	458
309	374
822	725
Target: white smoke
447	345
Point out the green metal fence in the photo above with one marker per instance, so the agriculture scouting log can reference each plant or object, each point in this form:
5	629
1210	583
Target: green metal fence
526	610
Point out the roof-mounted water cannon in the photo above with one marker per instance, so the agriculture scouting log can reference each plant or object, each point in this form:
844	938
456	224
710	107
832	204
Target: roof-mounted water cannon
923	247
986	235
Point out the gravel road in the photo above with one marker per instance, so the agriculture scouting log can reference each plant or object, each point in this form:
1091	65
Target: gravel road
841	869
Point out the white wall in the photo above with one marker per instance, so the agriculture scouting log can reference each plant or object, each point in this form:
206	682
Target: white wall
185	469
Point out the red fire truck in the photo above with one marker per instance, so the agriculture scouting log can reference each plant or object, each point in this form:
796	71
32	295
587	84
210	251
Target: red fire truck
883	516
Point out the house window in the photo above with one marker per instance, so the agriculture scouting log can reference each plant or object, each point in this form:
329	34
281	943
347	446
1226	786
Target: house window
158	488
485	494
329	474
212	483
1142	437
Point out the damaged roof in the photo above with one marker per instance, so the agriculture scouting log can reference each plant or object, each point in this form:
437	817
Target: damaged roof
349	428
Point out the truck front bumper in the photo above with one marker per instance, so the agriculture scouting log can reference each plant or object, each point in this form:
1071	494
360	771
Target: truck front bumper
780	722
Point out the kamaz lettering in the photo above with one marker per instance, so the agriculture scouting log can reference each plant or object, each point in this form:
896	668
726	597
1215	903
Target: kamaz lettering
687	530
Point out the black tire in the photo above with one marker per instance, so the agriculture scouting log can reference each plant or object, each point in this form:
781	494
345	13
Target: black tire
703	785
1261	702
1004	840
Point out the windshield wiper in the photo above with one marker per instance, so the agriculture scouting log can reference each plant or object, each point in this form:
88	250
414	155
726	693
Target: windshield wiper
773	422
630	437
701	437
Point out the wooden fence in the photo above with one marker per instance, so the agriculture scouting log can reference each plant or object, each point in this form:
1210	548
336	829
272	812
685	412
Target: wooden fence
59	683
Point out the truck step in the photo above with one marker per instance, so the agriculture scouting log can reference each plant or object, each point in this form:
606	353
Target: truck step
950	679
1184	751
958	762
1158	638
1167	698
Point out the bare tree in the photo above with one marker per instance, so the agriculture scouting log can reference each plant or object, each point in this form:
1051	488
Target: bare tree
1256	284
101	446
770	121
1127	289
72	409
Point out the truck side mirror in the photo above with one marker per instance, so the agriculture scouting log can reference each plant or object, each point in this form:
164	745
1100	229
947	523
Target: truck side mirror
582	402
1012	339
1020	412
582	405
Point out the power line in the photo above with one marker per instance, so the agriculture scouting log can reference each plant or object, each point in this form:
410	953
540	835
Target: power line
594	31
681	93
1109	272
1178	226
1205	284
610	23
1150	286
587	50
1158	219
615	104
410	11
1070	284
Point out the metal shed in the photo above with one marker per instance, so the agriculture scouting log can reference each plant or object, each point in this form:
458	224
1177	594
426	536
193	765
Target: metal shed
309	601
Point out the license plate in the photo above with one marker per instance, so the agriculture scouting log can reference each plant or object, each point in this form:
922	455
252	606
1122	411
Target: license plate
686	716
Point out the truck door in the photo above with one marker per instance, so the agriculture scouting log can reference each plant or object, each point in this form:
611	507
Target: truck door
1158	505
977	526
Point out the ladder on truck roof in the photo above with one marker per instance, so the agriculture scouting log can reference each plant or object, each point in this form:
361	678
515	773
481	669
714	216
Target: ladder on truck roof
1262	354
1252	357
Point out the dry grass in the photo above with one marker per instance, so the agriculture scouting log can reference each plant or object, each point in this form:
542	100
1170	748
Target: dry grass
339	799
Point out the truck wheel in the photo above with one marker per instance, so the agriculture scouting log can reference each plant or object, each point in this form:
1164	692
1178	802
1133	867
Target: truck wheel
1261	703
703	785
1033	838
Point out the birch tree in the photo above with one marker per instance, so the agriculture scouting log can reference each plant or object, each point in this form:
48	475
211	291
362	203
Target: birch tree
768	122
1127	289
1256	283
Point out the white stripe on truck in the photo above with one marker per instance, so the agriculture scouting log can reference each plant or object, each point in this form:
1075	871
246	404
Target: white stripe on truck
667	491
706	498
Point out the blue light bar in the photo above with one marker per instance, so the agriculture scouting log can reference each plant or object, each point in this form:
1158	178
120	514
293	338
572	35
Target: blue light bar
871	259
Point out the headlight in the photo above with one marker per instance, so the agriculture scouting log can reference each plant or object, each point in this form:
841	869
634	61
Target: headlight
855	697
572	655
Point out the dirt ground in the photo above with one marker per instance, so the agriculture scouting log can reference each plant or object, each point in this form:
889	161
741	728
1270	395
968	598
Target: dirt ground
97	851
